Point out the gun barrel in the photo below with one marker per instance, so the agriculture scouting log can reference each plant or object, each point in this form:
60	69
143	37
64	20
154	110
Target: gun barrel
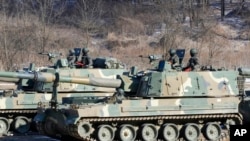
8	86
101	82
4	79
50	77
44	77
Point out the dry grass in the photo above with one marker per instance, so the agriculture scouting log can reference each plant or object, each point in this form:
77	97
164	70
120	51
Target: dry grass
134	31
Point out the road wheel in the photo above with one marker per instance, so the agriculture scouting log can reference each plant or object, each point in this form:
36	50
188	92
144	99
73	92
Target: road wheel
4	125
149	132
170	132
212	131
127	132
191	132
21	124
105	133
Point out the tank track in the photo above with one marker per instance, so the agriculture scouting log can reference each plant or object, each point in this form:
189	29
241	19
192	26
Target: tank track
12	117
17	111
224	136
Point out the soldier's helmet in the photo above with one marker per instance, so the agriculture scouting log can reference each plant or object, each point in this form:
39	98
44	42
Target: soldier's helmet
71	51
85	50
172	52
193	52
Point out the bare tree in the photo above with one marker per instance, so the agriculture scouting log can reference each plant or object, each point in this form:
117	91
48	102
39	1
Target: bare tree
170	17
16	34
25	25
88	16
47	12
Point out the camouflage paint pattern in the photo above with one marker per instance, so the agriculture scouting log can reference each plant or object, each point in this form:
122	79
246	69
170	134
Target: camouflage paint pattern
190	93
156	107
157	95
36	89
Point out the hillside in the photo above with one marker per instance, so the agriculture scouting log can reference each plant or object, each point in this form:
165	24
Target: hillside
124	29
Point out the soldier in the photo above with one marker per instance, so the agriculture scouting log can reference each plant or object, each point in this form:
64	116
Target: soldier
71	58
86	60
193	63
173	59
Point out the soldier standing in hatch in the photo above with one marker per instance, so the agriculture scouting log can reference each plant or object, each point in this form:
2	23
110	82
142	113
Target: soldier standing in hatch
193	63
71	58
86	60
173	59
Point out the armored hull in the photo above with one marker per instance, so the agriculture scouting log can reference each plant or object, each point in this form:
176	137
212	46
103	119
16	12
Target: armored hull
22	92
147	119
162	104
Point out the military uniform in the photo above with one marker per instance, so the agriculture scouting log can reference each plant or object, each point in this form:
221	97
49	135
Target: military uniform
173	59
193	63
71	58
86	60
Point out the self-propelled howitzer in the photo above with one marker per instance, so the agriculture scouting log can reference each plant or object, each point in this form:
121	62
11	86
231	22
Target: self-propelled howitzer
159	103
22	91
19	106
